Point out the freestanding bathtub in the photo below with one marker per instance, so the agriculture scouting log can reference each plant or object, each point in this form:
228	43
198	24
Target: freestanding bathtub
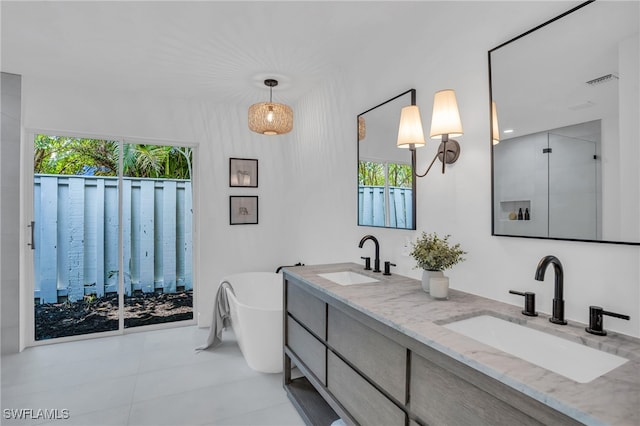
256	318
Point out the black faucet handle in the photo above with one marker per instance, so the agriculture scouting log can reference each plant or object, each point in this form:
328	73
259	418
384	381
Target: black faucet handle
529	302
387	268
367	263
596	321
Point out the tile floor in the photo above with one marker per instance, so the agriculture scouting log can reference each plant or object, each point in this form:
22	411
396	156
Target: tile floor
147	378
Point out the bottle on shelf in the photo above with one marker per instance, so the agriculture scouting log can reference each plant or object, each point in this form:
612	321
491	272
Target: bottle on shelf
520	217
526	214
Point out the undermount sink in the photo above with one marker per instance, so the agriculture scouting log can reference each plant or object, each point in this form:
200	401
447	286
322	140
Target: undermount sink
347	278
569	359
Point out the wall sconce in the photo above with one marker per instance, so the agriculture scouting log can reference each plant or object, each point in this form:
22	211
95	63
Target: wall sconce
495	131
445	122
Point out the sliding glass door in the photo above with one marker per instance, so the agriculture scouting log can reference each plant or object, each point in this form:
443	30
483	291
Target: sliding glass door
112	236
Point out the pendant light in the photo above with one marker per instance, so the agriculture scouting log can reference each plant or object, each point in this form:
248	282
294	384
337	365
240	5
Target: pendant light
270	118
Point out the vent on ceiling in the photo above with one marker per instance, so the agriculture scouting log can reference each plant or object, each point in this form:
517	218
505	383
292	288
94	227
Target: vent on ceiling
603	79
584	105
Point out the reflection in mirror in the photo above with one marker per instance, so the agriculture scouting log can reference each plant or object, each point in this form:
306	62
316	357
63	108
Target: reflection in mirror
386	188
565	98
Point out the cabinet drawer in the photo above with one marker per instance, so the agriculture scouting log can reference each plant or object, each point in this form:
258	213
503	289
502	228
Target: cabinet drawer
309	349
440	397
378	357
365	404
307	309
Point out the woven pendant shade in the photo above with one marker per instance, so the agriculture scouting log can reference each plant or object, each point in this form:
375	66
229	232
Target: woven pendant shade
362	128
270	118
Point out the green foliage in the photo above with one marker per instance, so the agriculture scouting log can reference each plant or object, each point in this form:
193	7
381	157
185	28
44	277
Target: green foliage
436	254
371	173
400	175
74	156
68	156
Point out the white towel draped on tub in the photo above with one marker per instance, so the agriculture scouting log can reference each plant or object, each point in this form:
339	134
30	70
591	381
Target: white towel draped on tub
221	316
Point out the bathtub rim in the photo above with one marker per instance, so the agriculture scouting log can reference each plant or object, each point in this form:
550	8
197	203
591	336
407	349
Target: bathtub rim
244	305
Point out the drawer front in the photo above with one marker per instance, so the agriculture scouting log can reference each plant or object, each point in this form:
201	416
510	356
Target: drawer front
309	349
440	397
378	357
365	404
307	309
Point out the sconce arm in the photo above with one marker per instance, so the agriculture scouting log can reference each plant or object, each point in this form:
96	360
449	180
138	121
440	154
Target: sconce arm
413	162
448	153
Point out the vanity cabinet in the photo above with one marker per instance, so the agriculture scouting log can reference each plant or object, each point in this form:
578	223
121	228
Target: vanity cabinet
355	367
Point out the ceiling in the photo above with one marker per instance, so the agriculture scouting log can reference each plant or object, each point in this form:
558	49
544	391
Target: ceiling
222	51
540	80
212	50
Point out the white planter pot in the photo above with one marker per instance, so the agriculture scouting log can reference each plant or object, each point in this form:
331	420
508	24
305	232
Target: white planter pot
427	275
439	287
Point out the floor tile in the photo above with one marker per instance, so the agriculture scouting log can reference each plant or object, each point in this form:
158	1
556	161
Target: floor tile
207	405
277	415
143	378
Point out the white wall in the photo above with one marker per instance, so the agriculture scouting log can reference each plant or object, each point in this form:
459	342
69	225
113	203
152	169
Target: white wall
308	178
220	132
9	212
458	202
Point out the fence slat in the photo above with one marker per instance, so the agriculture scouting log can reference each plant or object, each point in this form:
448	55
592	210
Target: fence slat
168	243
127	263
99	229
75	286
111	235
188	237
48	252
147	241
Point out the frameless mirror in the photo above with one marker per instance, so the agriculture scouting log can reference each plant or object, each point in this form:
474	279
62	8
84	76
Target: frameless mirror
565	100
386	187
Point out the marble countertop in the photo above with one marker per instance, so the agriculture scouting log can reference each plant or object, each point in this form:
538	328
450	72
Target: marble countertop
400	302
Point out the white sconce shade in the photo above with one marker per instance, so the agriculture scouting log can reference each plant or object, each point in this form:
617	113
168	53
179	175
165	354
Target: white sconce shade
410	133
495	131
270	118
446	118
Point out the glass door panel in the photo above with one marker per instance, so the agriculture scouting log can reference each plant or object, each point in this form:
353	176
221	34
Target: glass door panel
573	195
75	236
157	237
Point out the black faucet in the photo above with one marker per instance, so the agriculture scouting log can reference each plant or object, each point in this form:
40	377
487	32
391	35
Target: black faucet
558	304
376	262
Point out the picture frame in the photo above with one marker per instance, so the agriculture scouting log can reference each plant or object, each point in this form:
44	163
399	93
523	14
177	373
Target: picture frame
243	210
243	172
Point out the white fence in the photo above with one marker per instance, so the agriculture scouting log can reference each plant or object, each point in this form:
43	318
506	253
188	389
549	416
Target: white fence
372	211
77	229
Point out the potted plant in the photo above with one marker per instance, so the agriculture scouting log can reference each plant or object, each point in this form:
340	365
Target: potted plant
433	255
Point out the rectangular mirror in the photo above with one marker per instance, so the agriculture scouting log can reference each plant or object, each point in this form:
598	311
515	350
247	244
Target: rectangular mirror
386	187
565	129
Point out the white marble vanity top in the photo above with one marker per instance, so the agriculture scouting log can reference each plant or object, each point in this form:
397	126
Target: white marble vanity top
399	302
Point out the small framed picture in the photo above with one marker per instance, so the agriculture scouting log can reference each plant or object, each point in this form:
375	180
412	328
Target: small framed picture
243	210
243	172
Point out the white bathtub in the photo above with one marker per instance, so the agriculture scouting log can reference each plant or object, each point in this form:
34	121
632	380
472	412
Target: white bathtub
256	318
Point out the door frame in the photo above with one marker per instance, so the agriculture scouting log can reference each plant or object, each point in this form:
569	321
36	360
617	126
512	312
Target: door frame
27	319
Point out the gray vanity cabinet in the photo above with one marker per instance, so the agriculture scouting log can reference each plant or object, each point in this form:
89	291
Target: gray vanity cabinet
333	352
356	367
375	356
364	402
